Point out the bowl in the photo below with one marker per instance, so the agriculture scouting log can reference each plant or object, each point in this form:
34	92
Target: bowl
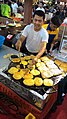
2	39
11	24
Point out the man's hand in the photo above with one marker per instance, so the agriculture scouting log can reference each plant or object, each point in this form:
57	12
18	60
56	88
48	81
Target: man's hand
34	61
18	45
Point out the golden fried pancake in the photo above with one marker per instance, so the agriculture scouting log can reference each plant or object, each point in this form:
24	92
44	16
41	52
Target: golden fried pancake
28	82
15	60
18	67
38	81
35	72
24	62
57	62
12	70
63	68
45	58
32	56
28	76
30	61
48	82
22	58
27	57
31	66
17	75
22	72
38	64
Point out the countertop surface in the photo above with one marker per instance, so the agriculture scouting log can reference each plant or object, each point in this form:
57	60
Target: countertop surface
6	51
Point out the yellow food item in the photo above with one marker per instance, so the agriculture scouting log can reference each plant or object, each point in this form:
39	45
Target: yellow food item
48	82
7	56
45	58
15	60
29	82
63	68
18	67
24	71
27	57
11	24
38	81
30	61
38	64
31	66
34	72
28	76
17	75
12	70
22	58
57	62
24	62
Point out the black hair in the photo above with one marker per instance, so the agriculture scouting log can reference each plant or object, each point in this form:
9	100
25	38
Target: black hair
39	13
56	20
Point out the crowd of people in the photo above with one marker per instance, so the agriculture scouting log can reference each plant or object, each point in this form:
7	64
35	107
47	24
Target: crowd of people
43	34
10	8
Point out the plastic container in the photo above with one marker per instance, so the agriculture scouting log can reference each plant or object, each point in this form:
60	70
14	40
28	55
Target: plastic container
2	39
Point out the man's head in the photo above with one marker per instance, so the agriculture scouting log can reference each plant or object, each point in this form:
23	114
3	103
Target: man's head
55	22
40	4
38	19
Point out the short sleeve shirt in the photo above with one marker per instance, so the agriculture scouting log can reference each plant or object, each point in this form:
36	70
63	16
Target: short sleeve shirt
34	39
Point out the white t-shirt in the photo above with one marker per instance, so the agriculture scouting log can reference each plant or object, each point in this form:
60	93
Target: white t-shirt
14	7
34	39
41	9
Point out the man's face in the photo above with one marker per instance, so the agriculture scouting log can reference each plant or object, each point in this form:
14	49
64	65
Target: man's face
52	26
38	22
40	5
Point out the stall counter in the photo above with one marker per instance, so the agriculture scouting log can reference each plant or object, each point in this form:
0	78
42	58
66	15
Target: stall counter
5	88
6	51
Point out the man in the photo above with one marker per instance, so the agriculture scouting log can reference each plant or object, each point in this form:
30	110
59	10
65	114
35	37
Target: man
53	30
5	10
40	7
14	7
36	36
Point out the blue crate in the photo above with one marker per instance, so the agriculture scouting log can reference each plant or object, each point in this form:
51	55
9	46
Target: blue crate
2	39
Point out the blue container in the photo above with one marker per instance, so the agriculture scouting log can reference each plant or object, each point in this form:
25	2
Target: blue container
2	38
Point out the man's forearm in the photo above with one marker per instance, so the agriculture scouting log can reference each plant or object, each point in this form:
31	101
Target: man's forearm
21	39
43	49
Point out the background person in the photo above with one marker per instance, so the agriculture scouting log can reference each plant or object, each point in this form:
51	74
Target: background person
14	7
5	10
53	30
36	36
40	7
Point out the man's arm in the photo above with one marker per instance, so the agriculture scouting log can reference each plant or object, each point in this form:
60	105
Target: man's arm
55	39
52	45
19	43
42	50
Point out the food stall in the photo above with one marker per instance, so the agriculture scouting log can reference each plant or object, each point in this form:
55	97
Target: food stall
37	99
27	98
